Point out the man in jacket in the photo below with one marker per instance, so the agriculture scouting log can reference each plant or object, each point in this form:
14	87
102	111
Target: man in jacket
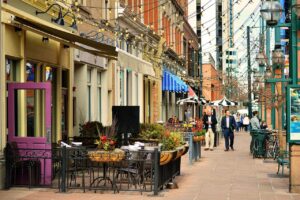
209	122
228	125
255	121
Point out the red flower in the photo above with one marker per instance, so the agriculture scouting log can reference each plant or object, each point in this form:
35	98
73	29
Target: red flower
103	138
112	142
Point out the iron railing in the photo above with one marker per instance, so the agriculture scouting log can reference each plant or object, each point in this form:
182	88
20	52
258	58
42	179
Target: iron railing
72	168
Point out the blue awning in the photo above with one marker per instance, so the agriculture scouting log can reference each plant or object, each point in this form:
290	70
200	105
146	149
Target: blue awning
173	83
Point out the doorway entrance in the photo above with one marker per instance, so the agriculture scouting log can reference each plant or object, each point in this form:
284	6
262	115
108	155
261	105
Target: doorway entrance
29	122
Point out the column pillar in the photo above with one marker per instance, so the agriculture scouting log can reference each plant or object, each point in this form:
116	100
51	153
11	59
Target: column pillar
2	102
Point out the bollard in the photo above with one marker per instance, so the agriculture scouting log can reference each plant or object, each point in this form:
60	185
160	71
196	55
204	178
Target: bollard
191	151
199	150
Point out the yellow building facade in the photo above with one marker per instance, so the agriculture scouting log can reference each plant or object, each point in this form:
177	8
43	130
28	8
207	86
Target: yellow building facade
34	50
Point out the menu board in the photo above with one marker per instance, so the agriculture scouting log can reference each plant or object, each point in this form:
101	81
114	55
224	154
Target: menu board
294	114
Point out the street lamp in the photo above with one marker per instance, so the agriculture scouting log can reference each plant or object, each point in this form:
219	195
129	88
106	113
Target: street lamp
271	12
278	58
296	9
59	20
260	59
268	73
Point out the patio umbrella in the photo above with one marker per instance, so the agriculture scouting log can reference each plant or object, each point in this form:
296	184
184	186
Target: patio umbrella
194	100
223	102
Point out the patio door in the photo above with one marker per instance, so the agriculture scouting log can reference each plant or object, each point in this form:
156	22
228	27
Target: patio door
29	123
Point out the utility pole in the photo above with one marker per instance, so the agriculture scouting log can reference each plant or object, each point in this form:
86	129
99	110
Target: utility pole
249	74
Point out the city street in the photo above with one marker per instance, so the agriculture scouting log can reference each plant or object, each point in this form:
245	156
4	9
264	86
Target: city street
98	99
219	175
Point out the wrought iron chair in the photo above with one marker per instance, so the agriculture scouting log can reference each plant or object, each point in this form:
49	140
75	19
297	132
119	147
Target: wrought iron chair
134	170
283	160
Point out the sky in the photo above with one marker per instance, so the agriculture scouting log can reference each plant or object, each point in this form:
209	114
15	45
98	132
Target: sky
246	13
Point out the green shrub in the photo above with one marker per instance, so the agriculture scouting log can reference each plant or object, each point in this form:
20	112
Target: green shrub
200	133
171	142
151	131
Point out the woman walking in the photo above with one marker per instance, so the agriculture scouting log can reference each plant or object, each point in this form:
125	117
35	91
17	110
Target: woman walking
238	122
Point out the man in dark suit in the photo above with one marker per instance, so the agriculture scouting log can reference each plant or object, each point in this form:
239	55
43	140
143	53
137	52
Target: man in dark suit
228	125
209	122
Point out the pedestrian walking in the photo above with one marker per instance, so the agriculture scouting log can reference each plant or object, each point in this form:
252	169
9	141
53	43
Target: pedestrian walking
238	122
255	121
241	125
210	122
246	122
228	125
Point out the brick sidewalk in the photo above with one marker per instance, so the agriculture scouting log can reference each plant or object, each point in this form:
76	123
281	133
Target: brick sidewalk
232	175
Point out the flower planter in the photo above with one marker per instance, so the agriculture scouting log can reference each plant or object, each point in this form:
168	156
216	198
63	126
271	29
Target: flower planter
180	151
198	138
186	149
106	156
167	156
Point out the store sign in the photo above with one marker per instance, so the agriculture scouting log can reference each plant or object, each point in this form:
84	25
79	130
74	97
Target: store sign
293	117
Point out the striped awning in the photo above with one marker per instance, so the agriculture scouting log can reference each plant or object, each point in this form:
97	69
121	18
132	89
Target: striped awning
173	83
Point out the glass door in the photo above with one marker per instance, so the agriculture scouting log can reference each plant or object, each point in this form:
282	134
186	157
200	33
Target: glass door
29	121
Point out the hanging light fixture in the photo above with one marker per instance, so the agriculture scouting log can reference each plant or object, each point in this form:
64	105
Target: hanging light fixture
268	73
296	9
278	58
271	11
59	20
260	59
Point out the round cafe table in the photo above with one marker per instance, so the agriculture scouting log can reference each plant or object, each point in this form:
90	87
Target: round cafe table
105	157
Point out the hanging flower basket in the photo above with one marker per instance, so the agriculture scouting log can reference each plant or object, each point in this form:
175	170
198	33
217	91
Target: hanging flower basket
106	156
197	138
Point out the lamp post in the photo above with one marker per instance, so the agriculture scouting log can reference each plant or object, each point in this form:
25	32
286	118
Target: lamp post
270	11
278	57
260	59
249	74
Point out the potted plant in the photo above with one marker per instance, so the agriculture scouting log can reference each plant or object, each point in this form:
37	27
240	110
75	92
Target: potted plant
172	147
199	135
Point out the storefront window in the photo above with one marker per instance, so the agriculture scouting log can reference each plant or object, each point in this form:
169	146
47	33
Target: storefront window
10	68
99	94
49	74
128	87
33	122
137	88
122	88
89	79
10	71
30	72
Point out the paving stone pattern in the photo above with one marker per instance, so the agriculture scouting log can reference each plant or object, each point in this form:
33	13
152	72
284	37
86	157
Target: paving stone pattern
219	175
